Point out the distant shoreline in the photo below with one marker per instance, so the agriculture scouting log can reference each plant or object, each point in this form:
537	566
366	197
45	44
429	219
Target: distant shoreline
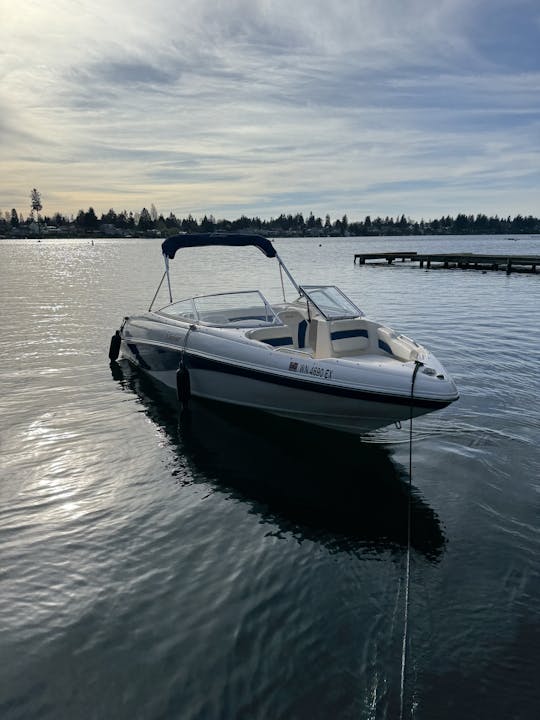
151	224
96	234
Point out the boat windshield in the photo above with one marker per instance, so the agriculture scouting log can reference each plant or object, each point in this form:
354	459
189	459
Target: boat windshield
238	309
330	302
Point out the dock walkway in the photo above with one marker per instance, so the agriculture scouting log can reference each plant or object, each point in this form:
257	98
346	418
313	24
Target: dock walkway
476	261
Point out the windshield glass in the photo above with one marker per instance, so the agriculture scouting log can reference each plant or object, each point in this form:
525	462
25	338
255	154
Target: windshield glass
238	309
184	309
330	301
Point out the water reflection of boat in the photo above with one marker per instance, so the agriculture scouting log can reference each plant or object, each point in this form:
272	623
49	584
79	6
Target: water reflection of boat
328	487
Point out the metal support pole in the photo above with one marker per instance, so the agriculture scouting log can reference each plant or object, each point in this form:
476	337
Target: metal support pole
158	289
168	276
282	264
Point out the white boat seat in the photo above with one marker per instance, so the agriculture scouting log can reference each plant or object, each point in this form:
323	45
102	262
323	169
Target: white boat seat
278	336
395	345
348	336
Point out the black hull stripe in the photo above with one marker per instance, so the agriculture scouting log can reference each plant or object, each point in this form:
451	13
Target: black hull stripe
202	363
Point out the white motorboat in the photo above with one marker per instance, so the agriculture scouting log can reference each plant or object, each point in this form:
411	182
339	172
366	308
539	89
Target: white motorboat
316	358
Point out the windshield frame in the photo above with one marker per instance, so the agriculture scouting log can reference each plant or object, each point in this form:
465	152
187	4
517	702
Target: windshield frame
306	291
244	322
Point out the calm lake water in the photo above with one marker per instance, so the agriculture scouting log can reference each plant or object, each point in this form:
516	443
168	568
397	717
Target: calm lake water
220	565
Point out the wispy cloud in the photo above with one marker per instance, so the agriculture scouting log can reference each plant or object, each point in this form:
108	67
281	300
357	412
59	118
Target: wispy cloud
260	106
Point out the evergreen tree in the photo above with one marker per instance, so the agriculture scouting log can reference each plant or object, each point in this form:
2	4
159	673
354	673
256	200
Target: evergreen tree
145	220
189	224
171	221
110	218
208	224
35	203
121	220
89	219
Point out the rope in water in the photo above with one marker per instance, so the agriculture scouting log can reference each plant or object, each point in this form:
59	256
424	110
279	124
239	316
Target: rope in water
418	364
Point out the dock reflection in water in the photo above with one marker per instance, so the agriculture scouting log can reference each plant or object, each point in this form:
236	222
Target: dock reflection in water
316	484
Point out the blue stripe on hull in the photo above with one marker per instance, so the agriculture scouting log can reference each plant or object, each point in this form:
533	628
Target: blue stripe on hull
154	358
196	362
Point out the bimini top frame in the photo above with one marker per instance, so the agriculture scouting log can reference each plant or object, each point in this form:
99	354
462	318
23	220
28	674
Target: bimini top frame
176	242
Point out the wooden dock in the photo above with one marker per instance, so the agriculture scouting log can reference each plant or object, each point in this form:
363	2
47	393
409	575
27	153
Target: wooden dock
474	261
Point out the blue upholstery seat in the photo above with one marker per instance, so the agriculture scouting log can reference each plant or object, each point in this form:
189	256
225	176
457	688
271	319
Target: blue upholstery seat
302	329
348	337
297	326
278	341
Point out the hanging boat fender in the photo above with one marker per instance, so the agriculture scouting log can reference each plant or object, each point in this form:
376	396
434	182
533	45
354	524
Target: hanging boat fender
114	347
183	385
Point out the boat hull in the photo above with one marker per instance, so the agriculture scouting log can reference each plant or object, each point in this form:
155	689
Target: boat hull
309	400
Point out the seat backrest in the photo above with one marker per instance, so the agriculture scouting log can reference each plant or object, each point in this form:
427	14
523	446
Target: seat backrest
348	336
277	336
319	335
297	325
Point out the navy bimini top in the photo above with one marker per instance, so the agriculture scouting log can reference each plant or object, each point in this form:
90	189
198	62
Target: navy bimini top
175	242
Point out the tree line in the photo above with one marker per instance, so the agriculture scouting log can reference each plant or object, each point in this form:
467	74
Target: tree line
150	222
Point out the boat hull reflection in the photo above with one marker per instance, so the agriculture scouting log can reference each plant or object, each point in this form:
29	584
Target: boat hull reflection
319	485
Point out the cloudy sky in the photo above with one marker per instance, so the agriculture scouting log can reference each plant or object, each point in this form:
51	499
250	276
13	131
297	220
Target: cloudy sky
379	107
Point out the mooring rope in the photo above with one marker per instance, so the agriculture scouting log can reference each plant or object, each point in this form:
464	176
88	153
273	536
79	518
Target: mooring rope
418	364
